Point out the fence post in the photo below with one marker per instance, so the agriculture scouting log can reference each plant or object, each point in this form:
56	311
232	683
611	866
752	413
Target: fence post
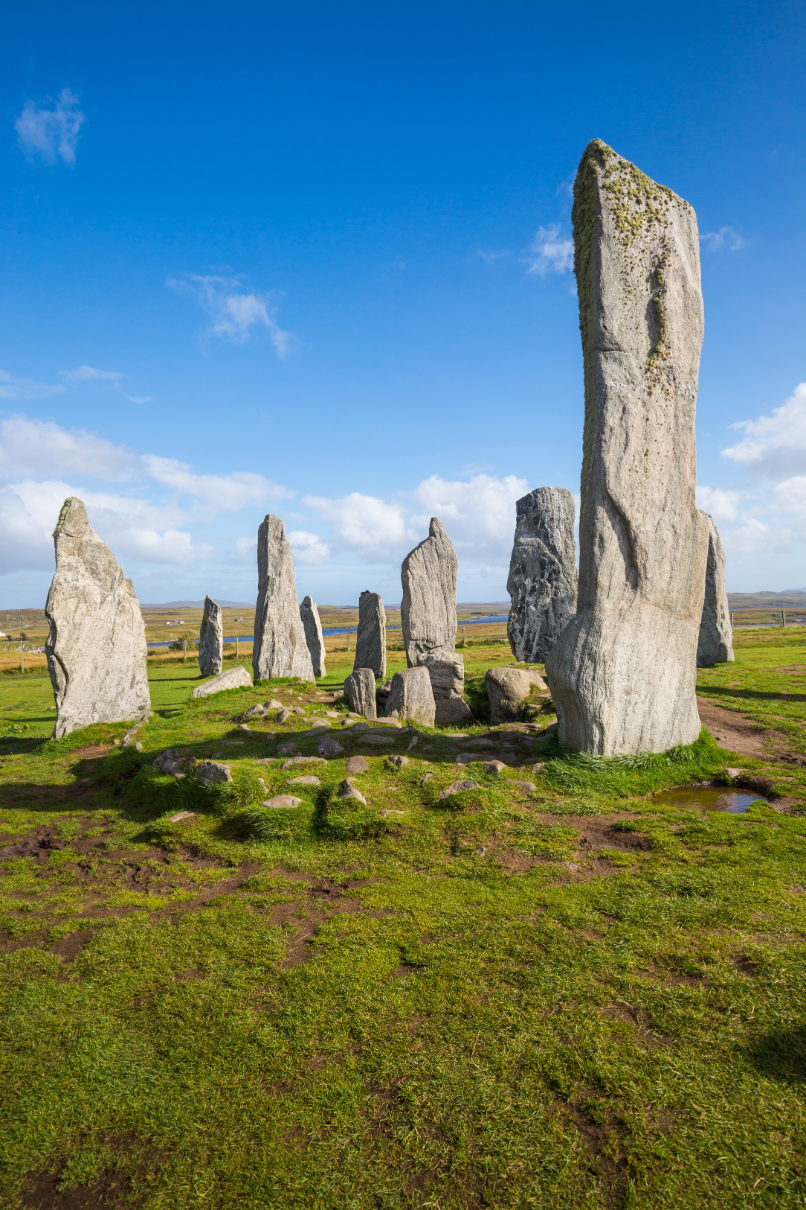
237	645
783	618
464	636
348	642
22	658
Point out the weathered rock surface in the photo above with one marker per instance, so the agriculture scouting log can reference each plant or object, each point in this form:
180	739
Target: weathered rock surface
359	689
428	609
447	672
411	697
285	802
370	641
457	787
357	764
212	773
211	639
622	673
313	635
233	678
542	580
347	790
329	747
280	648
508	689
715	641
96	649
452	710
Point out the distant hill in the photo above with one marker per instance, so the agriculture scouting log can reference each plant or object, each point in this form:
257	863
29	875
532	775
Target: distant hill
197	605
793	598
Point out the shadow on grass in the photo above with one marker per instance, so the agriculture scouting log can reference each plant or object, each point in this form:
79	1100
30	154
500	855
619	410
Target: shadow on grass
781	1056
751	695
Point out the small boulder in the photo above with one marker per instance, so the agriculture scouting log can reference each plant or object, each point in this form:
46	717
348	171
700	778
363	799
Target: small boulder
284	715
347	790
307	779
302	760
288	749
411	696
183	816
328	746
528	786
212	773
284	801
253	711
425	779
452	710
357	764
233	678
508	689
397	762
359	689
457	787
494	766
273	705
376	739
464	758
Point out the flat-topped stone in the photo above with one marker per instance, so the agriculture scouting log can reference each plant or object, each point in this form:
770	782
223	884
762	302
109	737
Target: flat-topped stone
234	678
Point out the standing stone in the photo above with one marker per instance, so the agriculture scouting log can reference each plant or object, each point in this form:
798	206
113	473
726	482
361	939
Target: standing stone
370	642
428	610
280	648
211	639
313	635
359	689
96	649
411	697
715	644
542	573
622	673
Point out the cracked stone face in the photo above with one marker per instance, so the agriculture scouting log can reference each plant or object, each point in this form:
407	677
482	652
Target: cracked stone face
211	639
542	580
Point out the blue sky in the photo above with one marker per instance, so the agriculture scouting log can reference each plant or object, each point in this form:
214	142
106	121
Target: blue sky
315	260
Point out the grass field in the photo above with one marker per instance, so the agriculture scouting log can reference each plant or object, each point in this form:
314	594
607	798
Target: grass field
570	996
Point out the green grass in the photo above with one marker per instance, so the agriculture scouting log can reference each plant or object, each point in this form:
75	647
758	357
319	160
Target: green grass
574	997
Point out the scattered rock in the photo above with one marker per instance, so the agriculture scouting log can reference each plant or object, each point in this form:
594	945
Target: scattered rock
293	761
279	648
320	722
233	678
284	801
288	749
623	671
312	627
715	641
733	773
347	790
542	572
273	704
370	641
428	608
328	746
254	711
359	689
494	766
538	767
243	727
397	762
508	689
357	764
306	780
464	758
528	786
96	649
411	696
131	735
388	811
211	639
332	713
284	715
425	779
413	742
182	816
458	787
452	711
212	773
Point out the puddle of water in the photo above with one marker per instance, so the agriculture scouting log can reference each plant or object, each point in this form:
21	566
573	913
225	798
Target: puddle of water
710	798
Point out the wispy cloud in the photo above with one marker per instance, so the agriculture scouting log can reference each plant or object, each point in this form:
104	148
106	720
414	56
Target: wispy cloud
223	493
490	257
25	388
49	130
723	240
550	252
91	374
774	447
235	311
42	447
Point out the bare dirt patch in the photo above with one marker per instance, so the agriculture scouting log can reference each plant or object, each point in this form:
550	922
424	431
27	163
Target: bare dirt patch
734	732
113	1189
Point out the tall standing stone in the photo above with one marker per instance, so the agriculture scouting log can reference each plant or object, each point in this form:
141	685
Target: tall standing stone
715	643
313	635
280	648
370	642
622	673
211	639
542	573
428	610
96	649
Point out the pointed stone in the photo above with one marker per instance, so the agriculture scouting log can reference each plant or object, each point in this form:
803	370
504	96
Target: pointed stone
542	573
280	648
211	639
428	609
370	641
313	635
96	649
715	643
622	673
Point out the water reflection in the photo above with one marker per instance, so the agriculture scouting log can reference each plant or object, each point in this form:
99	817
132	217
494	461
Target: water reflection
710	798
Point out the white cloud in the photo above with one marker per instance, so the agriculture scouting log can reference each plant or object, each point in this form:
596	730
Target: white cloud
42	447
479	513
490	258
721	504
49	129
363	523
224	493
234	311
723	239
774	447
90	374
25	388
550	252
308	548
